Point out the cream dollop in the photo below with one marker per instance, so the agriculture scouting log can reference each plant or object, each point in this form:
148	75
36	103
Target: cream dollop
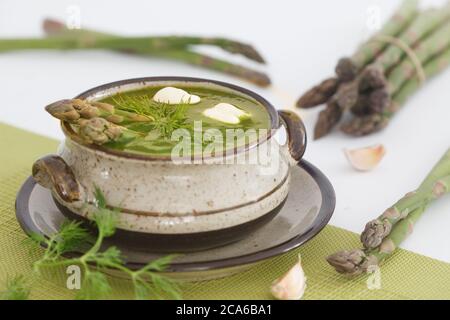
226	112
172	95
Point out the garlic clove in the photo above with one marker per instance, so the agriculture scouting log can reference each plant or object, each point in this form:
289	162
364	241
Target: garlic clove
221	116
292	285
365	159
172	95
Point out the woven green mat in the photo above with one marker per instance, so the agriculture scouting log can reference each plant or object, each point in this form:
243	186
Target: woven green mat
405	275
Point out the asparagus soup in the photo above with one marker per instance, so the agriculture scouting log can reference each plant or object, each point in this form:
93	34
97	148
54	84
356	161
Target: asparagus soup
149	117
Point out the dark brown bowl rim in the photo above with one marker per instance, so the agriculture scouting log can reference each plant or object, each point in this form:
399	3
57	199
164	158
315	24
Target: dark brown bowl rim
23	216
274	119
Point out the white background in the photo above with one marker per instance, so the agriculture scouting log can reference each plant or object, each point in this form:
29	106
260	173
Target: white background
301	41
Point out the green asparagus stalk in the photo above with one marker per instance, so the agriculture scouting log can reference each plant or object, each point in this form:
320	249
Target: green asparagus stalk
205	61
379	228
358	261
58	29
109	42
360	126
424	24
436	43
175	48
71	110
96	122
348	68
99	131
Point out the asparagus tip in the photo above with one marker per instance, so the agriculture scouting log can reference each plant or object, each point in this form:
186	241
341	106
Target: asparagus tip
347	94
327	119
372	77
63	110
351	262
379	100
361	126
99	130
250	52
346	69
319	94
374	233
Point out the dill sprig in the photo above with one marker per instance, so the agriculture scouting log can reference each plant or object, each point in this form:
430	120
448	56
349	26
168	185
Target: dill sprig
16	288
167	117
95	284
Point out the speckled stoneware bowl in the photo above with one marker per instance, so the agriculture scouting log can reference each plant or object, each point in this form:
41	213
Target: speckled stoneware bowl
168	206
307	210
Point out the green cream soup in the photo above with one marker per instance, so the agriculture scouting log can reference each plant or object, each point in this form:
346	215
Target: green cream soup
161	134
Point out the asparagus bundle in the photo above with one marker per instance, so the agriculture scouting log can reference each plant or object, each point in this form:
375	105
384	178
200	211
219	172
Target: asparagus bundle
383	235
366	124
380	86
371	85
170	47
347	68
379	90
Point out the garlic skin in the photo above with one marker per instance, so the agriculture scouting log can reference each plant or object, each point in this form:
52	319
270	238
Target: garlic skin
365	159
292	285
172	95
226	112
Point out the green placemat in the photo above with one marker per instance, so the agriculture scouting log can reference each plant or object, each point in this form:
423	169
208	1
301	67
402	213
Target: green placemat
405	275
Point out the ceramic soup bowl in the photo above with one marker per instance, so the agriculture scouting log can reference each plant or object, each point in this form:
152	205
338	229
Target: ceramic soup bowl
176	206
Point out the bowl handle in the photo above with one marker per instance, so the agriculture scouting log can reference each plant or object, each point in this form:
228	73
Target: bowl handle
53	173
296	133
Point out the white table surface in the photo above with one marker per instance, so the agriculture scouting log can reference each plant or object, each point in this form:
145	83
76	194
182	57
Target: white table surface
301	40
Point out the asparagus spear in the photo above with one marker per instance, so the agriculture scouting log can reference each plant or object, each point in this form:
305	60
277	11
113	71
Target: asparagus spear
102	41
436	43
71	110
57	28
96	122
172	47
99	130
357	261
327	118
209	62
319	94
424	24
379	228
360	126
